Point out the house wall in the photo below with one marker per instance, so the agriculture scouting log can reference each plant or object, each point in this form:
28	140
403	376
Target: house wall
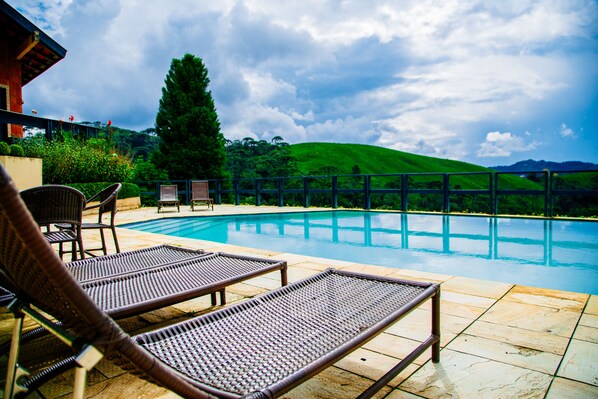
10	78
25	172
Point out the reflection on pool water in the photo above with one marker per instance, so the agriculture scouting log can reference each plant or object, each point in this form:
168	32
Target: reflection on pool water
543	253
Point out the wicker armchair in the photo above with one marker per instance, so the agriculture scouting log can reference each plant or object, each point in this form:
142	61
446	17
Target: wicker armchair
169	196
55	204
200	194
260	348
105	202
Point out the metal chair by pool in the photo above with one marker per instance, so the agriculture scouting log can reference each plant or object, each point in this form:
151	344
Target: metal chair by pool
258	348
169	197
200	194
107	204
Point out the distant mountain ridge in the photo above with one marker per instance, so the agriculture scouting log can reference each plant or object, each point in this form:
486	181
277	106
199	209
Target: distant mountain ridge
533	166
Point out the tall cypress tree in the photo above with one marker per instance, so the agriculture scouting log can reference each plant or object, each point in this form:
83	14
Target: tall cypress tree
191	145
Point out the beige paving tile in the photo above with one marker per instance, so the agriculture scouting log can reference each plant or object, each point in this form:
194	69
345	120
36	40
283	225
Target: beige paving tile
296	273
532	317
466	299
483	288
463	305
109	369
562	388
580	362
417	324
589	320
311	265
293	259
201	303
368	269
460	375
397	347
264	282
506	353
584	333
398	394
563	300
127	386
417	275
333	383
373	365
246	290
538	340
592	306
63	384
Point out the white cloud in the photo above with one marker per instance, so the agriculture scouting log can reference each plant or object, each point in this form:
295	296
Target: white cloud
499	144
415	75
566	131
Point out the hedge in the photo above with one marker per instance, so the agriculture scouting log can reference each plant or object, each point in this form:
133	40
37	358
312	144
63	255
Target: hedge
128	190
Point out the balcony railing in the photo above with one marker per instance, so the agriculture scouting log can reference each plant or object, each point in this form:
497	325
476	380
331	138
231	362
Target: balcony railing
48	125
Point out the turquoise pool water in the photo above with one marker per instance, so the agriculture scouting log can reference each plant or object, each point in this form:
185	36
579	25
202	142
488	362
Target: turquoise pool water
542	253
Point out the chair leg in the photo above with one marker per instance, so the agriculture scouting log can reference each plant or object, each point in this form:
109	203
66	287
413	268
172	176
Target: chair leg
104	251
115	239
81	249
73	250
79	383
14	372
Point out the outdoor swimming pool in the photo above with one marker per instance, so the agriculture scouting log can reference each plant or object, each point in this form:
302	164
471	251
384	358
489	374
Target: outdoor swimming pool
542	253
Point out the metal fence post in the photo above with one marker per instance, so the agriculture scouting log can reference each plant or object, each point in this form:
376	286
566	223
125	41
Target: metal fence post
547	192
490	192
366	192
404	192
280	191
334	192
305	192
258	197
496	190
446	202
219	191
550	194
236	190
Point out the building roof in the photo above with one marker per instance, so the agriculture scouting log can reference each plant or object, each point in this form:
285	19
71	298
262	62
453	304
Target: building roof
36	50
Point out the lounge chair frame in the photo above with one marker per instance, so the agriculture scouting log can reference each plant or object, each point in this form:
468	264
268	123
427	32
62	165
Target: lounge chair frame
288	335
200	194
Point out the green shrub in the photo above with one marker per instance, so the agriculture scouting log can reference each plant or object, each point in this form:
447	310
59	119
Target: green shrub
128	190
147	171
16	150
72	162
4	148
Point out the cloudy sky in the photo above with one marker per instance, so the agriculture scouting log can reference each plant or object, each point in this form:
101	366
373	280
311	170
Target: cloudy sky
488	82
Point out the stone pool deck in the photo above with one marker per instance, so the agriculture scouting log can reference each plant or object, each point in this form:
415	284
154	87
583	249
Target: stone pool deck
499	340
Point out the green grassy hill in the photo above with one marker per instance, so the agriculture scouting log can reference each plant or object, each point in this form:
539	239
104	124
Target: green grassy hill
316	158
312	157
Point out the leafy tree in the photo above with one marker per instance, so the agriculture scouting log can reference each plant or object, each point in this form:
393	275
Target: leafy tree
192	145
251	158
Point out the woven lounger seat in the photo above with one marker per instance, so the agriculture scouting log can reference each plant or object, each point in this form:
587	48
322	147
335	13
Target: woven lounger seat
141	291
265	346
103	267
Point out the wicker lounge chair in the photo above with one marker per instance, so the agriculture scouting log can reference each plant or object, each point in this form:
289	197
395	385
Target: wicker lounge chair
169	197
259	348
55	204
200	194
